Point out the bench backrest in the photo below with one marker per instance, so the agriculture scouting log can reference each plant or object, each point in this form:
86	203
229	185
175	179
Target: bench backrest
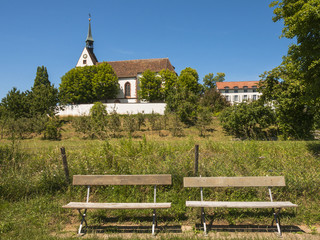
90	180
278	181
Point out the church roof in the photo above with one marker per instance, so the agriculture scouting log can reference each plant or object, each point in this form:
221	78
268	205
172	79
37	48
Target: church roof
92	56
249	84
131	68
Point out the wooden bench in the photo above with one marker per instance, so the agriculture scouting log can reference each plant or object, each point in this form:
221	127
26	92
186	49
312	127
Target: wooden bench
237	182
90	180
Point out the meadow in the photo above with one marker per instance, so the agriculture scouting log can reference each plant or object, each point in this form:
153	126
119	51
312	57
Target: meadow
33	186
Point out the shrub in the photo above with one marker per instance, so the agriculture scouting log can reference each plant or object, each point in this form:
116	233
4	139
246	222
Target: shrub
249	120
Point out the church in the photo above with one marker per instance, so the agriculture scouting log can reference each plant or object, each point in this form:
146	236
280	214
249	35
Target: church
128	71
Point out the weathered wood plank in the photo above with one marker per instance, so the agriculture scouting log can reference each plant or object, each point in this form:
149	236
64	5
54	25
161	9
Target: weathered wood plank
234	181
90	205
161	179
222	204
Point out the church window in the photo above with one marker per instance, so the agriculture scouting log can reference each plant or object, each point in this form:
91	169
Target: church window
84	61
127	90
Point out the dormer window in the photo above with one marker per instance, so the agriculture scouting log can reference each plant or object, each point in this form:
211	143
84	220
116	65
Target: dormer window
226	89
245	88
235	89
254	88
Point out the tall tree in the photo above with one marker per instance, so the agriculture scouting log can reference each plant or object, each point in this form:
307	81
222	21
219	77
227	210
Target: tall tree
43	97
42	77
301	20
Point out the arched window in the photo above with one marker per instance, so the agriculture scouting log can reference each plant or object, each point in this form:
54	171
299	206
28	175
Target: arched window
127	90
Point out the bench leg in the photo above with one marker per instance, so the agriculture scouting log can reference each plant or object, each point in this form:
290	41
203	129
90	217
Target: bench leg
277	220
82	220
154	222
203	220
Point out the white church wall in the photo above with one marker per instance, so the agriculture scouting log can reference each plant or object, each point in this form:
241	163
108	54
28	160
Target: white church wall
120	108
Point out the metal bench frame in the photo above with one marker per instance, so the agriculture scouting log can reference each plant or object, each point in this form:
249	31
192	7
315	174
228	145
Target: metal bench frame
237	182
162	179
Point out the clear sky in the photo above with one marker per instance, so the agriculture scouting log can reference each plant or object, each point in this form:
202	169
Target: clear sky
236	37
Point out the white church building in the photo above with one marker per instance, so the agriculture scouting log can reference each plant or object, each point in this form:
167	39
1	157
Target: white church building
128	71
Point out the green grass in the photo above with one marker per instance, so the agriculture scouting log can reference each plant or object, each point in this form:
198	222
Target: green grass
33	186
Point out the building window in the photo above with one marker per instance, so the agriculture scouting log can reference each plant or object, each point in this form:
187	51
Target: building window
245	89
127	90
84	61
227	97
245	97
235	98
235	89
226	89
254	97
254	88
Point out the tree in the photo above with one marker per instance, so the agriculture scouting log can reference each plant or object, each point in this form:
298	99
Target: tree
42	77
150	87
89	84
209	80
16	103
214	100
43	96
301	22
183	98
169	81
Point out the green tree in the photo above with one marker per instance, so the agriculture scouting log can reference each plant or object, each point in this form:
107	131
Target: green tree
43	96
89	84
150	87
183	98
301	20
16	103
213	100
209	80
169	81
42	77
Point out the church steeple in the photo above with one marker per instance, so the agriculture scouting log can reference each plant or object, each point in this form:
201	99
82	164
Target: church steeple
87	57
89	40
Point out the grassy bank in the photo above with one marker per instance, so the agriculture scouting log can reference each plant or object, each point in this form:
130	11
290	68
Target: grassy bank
33	186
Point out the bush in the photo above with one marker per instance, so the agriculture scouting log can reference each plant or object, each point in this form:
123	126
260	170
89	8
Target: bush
249	120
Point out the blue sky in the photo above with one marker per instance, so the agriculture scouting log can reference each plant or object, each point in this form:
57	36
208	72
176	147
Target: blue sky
236	37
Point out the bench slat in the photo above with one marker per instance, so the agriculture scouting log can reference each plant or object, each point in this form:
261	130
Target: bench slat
90	205
278	181
161	179
225	204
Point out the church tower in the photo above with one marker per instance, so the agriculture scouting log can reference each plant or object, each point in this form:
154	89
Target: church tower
87	57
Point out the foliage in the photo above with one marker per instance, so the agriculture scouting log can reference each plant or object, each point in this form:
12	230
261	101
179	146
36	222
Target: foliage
169	81
214	100
183	99
209	80
150	87
249	120
203	121
42	77
301	22
53	129
16	104
293	116
89	84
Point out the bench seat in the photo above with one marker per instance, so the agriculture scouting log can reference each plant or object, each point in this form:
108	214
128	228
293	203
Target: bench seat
91	205
225	204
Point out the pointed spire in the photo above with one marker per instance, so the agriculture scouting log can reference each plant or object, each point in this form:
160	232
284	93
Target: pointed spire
89	40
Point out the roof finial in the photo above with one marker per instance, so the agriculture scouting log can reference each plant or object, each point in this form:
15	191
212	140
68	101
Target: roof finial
89	17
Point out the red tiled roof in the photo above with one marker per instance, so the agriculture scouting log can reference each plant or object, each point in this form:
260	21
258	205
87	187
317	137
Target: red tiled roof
131	68
231	85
